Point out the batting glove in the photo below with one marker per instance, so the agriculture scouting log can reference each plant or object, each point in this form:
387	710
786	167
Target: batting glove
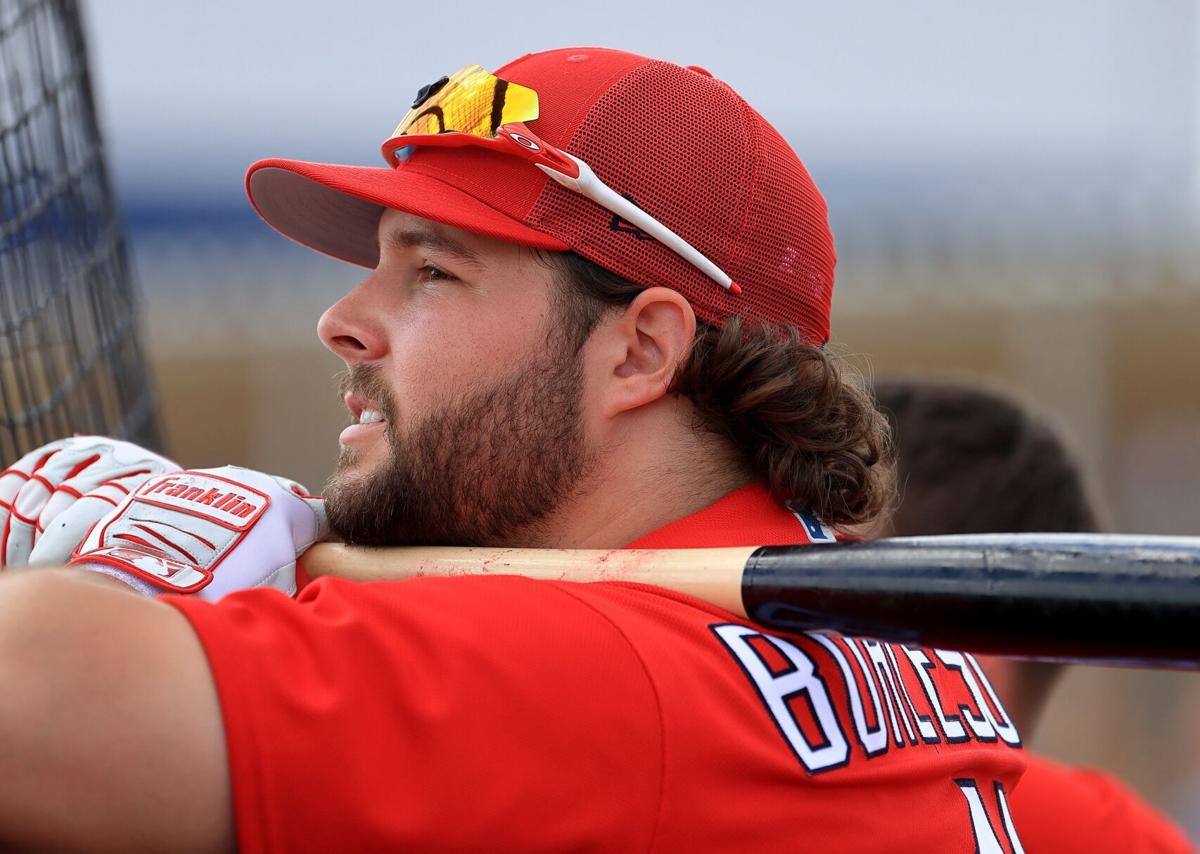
54	494
208	532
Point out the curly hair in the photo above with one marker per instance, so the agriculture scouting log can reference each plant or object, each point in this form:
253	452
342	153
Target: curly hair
799	417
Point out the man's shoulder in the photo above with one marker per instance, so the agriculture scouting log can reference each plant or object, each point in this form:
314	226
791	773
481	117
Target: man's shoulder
493	592
567	621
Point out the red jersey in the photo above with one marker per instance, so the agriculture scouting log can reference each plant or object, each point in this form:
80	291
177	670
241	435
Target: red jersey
1057	808
496	713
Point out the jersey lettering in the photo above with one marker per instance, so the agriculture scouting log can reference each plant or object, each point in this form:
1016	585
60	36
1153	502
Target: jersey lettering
891	693
777	690
982	725
882	707
995	711
929	735
951	726
873	740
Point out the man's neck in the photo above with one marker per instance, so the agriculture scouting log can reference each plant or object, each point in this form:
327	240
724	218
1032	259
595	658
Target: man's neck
637	488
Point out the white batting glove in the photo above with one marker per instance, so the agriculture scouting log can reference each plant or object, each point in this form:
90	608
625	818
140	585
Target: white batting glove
208	532
51	496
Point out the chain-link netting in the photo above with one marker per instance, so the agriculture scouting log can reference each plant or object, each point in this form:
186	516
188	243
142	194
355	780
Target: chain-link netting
70	358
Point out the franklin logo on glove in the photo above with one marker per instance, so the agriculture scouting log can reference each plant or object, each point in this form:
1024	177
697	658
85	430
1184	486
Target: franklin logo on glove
195	492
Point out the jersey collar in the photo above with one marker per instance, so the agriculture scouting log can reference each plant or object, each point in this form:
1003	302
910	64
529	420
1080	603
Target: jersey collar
748	516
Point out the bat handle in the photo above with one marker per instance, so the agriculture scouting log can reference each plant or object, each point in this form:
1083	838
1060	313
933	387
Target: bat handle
713	575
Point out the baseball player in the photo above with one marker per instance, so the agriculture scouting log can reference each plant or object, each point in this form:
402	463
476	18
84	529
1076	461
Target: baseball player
596	298
974	462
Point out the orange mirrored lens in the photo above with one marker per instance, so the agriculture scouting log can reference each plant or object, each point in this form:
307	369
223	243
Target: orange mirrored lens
473	102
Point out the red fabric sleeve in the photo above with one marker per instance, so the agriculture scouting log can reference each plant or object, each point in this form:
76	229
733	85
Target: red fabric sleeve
1058	808
431	692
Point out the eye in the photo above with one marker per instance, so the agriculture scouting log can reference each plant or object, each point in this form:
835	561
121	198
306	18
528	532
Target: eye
429	273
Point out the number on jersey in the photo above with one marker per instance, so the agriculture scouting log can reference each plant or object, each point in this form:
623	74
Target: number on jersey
982	824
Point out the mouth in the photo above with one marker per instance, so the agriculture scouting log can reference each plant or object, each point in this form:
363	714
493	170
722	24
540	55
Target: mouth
363	411
366	420
369	416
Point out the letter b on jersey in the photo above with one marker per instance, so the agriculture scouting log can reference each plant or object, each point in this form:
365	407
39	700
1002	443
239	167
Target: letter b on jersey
797	686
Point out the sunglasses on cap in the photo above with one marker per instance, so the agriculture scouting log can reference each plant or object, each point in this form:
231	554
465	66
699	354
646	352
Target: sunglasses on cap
473	107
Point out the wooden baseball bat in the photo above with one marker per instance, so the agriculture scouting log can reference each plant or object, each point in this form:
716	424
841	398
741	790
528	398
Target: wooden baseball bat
1083	598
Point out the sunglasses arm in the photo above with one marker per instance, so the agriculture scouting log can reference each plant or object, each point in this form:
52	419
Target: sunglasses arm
516	139
589	185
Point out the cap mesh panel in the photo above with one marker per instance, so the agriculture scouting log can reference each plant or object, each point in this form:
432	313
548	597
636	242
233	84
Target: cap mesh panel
687	149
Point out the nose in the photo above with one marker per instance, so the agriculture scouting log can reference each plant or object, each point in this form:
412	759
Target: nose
351	328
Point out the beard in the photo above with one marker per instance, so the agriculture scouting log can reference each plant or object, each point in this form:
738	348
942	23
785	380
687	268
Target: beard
487	468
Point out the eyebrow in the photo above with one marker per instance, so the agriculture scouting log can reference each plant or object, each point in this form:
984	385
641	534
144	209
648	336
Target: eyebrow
404	239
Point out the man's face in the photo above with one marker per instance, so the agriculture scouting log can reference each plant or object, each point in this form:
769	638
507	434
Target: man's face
467	397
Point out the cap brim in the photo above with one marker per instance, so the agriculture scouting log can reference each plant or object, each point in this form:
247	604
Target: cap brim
335	209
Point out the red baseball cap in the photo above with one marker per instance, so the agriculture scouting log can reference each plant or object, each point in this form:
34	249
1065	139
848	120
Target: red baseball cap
680	144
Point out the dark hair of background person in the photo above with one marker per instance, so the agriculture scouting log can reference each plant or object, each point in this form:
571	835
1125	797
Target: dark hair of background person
975	462
799	418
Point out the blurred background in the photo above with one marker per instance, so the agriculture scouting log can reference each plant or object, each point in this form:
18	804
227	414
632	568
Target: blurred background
1014	189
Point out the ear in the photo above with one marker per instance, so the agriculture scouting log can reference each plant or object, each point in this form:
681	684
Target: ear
642	348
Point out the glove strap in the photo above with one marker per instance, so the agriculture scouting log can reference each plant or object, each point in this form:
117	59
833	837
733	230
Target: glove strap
164	574
132	582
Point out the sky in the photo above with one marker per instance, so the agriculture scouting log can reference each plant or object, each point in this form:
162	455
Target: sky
192	92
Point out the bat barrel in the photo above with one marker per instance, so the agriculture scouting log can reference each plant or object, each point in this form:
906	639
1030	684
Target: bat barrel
1119	600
